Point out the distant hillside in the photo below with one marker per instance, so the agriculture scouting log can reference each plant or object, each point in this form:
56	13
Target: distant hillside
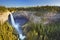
40	8
37	8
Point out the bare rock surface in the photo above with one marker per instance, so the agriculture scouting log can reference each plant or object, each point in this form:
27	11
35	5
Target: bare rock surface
4	16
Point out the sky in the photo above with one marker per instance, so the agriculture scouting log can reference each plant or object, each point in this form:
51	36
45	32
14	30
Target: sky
27	3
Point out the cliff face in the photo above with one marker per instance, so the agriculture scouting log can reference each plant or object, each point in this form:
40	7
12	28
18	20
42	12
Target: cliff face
4	16
48	17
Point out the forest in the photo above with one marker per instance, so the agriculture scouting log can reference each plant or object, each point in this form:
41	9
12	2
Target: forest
37	8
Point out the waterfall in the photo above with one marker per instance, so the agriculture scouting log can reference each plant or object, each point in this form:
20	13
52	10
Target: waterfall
16	26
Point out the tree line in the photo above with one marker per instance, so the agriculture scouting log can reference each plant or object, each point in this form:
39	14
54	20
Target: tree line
37	8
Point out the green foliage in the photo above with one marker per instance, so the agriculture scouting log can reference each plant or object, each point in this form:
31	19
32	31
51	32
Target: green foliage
37	8
3	9
40	8
7	33
12	9
42	32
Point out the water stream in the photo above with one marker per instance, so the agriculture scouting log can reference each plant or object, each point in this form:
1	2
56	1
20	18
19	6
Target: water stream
17	26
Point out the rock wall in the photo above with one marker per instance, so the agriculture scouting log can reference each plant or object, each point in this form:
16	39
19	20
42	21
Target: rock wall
4	16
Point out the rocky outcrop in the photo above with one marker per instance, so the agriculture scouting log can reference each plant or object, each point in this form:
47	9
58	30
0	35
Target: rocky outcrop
4	17
29	15
51	17
46	18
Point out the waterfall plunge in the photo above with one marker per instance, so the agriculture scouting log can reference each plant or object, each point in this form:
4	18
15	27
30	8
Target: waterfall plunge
16	26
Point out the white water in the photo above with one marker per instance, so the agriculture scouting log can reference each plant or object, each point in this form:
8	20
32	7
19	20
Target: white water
16	26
